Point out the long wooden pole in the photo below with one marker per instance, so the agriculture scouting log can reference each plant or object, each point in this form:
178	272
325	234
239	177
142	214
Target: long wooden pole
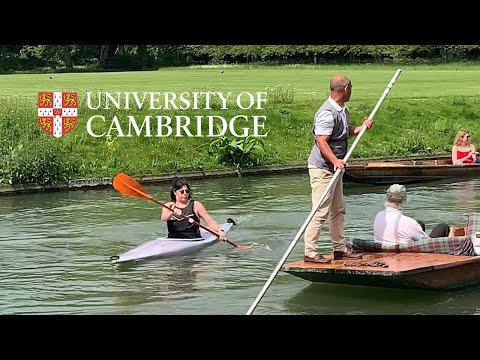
322	199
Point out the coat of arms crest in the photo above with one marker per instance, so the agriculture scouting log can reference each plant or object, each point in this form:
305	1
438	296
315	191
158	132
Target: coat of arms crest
57	112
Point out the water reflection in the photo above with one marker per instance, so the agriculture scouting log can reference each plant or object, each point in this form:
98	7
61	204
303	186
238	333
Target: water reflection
360	300
332	299
464	196
157	281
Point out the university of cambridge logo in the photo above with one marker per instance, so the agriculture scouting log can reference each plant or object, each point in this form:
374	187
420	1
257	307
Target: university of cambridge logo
57	112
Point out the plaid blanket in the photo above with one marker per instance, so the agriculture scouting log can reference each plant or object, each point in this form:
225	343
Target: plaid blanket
460	245
473	224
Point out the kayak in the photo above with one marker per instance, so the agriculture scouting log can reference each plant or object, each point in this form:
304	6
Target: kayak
163	247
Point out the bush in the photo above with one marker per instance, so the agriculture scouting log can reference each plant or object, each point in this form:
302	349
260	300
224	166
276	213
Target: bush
248	151
39	162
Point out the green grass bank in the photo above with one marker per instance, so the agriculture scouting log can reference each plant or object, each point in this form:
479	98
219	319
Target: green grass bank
421	115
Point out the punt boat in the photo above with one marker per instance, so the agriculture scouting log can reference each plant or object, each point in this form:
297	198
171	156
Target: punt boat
408	170
431	271
449	263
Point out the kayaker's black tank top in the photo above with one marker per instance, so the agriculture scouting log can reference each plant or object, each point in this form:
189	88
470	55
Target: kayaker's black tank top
181	228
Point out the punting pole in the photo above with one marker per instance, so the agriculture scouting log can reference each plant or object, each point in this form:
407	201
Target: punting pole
322	199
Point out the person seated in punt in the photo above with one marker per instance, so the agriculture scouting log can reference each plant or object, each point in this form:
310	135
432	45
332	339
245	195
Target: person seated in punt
391	226
463	152
395	232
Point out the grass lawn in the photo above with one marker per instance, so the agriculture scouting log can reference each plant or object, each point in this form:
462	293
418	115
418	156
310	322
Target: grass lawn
421	114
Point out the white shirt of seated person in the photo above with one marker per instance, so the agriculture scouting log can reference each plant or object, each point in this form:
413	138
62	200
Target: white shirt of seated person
391	226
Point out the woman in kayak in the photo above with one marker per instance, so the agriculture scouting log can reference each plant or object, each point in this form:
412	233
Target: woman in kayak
185	212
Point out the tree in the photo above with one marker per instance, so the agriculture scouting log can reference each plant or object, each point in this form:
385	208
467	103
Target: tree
68	58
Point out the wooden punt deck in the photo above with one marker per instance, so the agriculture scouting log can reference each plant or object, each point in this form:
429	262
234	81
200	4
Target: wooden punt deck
405	270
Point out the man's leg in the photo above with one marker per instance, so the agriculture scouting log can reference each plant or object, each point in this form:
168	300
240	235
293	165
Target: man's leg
337	224
319	180
440	230
337	217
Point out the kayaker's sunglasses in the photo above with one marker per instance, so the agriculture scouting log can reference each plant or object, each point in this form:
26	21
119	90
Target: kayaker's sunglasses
184	191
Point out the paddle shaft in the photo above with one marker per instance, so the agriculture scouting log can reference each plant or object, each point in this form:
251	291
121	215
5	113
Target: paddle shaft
320	202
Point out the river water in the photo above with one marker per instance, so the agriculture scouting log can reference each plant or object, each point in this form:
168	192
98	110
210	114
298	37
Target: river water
56	248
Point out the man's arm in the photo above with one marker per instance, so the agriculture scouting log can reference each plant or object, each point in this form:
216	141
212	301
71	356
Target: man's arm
327	153
352	130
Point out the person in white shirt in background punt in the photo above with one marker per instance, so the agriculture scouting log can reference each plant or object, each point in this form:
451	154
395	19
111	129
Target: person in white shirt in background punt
392	227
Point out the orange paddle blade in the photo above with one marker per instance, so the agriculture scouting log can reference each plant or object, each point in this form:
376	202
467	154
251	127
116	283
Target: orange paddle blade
129	186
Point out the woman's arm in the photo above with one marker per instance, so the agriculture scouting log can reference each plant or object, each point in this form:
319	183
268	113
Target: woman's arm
167	214
454	155
473	150
202	213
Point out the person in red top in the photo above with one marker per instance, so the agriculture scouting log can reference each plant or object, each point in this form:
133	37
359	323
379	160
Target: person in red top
463	152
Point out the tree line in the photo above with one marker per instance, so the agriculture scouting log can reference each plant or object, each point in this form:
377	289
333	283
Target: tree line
70	58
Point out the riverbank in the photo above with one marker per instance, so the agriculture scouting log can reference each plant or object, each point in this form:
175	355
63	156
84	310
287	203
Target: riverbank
98	183
104	182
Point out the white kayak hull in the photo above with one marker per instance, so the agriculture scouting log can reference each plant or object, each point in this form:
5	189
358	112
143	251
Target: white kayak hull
163	247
